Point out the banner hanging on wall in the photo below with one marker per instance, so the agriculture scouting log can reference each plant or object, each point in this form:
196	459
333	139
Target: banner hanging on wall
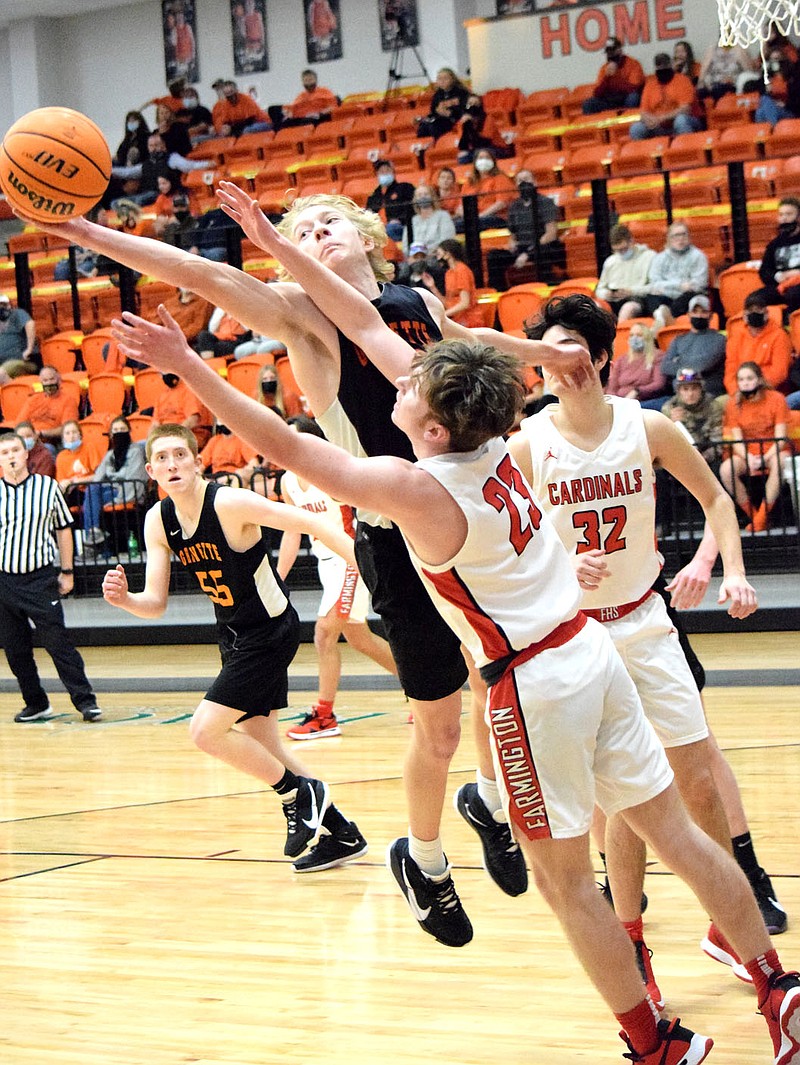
323	30
179	22
399	24
249	27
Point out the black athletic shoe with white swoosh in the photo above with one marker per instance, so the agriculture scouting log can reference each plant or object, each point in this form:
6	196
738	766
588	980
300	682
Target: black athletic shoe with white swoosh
502	858
434	903
333	849
304	815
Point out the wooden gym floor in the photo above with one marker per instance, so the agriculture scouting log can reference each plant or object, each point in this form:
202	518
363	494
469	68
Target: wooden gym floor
147	914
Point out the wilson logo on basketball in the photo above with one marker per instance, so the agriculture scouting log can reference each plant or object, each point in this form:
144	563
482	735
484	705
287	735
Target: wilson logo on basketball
40	203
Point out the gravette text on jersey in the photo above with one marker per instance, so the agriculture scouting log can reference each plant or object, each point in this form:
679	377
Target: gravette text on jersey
200	552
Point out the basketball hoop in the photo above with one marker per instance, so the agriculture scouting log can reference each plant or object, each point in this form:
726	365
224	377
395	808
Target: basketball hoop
746	22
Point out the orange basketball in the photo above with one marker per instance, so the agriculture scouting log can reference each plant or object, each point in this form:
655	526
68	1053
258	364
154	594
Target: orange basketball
54	164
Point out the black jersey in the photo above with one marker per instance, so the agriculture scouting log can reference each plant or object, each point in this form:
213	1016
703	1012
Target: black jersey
243	585
366	396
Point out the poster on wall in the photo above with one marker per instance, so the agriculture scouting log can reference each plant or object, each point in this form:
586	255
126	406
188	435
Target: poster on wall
179	22
399	24
323	30
249	26
519	7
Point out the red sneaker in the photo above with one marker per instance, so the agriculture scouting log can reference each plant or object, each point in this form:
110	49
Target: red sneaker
781	1011
314	727
678	1046
717	947
643	956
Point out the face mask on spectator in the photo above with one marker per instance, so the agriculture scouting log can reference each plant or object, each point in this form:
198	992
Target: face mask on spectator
29	442
626	254
787	228
385	179
636	344
664	75
475	110
73	445
50	389
5	314
484	165
120	438
700	324
756	318
223	430
190	102
269	388
132	126
749	390
526	190
424	201
170	379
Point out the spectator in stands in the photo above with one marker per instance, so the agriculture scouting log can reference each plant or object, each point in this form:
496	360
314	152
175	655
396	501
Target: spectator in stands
494	189
174	98
417	263
313	105
762	343
756	415
40	456
392	200
430	225
701	350
723	69
132	148
177	404
190	311
531	218
196	118
75	463
448	104
206	235
447	190
226	454
258	345
637	373
683	61
677	275
623	279
479	130
780	265
121	477
697	412
159	163
781	96
17	339
669	104
619	83
174	133
237	113
268	389
459	296
164	208
49	409
221	337
780	43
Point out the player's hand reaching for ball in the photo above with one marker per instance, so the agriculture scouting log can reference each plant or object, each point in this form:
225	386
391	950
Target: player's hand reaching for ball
115	586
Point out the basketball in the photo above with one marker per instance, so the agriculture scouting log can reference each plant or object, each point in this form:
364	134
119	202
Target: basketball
54	164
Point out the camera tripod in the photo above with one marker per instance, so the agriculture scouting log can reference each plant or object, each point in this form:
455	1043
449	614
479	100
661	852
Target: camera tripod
396	73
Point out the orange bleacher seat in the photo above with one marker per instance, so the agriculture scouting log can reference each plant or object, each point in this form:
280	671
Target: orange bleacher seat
760	176
735	285
140	424
315	171
214	149
580	251
107	393
585	164
652	232
94	430
443	153
359	167
107	305
578	206
694	194
546	167
637	199
762	228
690	149
572	106
92	349
582	132
29	241
517	305
505	100
243	373
788	180
248	145
61	350
150	293
359	189
619	132
784	138
544	104
148	384
538	137
741	142
794	329
732	110
640	157
12	399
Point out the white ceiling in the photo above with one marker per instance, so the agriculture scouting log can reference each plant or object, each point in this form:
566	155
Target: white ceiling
14	10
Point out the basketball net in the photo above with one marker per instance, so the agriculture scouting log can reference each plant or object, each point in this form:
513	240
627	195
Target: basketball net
746	22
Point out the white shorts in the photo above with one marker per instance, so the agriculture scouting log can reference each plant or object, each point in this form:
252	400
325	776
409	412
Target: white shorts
568	731
648	645
342	590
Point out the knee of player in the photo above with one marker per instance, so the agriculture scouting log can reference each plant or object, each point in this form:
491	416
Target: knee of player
202	731
441	738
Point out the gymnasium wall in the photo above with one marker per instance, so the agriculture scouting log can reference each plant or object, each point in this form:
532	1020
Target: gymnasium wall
110	61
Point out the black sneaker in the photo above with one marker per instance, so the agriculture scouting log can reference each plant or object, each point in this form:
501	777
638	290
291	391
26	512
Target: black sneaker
91	713
434	903
771	910
605	891
502	858
304	815
333	850
30	713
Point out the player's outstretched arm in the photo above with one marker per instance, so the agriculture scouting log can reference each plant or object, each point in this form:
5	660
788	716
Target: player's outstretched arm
152	602
336	299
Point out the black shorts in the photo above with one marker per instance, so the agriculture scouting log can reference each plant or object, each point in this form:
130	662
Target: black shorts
695	665
255	662
430	664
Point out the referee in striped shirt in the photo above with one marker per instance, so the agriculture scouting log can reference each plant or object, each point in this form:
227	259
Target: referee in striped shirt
32	510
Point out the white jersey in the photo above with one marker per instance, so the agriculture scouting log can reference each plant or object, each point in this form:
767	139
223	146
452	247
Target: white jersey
601	499
511	584
340	515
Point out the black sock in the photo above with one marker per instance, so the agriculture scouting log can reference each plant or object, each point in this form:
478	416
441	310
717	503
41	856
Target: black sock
745	855
288	782
603	860
334	820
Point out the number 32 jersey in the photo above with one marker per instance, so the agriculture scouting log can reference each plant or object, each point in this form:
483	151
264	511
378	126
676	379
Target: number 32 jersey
601	499
511	583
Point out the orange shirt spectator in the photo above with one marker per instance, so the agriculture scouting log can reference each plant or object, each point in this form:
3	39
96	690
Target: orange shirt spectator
317	102
235	111
225	453
618	78
190	311
658	99
494	188
459	296
768	346
49	409
178	404
757	418
76	464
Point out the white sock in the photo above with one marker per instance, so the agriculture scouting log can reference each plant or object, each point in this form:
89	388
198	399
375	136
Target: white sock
428	854
489	793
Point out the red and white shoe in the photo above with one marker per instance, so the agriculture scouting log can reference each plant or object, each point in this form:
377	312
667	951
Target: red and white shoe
717	947
314	727
781	1011
678	1046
